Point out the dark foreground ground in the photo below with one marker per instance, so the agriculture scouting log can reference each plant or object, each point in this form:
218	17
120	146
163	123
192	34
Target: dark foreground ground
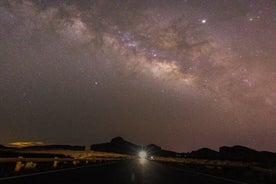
128	171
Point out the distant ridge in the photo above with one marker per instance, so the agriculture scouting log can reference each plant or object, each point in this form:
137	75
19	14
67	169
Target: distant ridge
241	153
204	153
1	146
235	153
119	145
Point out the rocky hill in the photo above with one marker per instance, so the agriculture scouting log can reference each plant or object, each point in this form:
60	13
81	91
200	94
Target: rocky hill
119	145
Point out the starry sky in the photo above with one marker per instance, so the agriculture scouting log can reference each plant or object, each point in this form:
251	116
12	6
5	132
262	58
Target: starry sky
183	74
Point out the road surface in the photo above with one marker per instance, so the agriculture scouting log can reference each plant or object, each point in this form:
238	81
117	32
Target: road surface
139	171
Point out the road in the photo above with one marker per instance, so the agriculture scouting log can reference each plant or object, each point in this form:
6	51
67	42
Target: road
137	171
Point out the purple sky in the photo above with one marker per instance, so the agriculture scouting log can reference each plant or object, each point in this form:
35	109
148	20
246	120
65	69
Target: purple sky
181	74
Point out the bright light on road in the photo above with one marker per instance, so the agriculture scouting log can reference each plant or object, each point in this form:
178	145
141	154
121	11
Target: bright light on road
142	154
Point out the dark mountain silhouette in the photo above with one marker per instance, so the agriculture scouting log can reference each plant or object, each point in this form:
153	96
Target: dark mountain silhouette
241	153
2	147
238	153
204	153
235	153
153	149
119	145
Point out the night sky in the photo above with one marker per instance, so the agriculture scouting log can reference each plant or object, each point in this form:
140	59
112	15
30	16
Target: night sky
182	74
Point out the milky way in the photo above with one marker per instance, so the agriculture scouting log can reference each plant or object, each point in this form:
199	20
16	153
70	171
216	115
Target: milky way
181	74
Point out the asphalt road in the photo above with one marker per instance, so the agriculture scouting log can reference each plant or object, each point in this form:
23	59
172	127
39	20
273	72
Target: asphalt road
129	171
